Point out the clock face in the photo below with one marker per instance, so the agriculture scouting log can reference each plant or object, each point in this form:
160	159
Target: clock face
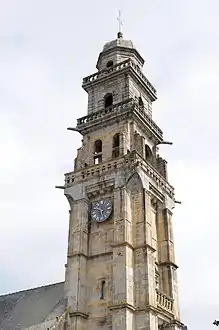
101	210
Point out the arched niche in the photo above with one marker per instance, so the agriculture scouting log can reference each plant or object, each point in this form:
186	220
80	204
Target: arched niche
70	200
148	154
108	100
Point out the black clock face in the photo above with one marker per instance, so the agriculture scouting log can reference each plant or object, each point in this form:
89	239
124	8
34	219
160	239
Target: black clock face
101	210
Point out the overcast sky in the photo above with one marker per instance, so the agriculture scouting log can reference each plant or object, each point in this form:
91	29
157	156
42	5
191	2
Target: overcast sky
46	48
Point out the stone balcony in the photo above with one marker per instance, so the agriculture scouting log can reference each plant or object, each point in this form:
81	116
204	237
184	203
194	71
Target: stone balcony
164	302
129	160
118	110
124	65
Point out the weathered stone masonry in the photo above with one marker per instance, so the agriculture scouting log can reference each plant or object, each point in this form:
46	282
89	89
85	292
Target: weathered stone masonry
120	273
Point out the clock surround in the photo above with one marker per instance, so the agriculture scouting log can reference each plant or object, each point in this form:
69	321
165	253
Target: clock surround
101	210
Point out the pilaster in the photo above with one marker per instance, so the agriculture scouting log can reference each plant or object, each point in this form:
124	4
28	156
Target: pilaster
122	306
166	257
77	263
150	250
146	320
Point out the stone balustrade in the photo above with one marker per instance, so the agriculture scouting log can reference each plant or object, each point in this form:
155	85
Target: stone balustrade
104	72
142	76
118	109
117	67
129	160
164	302
149	121
101	114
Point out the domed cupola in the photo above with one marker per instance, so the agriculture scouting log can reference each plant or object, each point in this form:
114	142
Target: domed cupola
118	50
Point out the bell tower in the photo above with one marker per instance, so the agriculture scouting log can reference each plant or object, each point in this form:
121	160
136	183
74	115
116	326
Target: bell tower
121	272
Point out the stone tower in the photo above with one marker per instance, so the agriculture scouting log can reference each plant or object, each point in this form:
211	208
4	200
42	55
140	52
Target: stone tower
121	272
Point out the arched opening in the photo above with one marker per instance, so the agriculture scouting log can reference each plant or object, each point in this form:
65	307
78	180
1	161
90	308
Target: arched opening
97	147
116	145
136	207
116	140
109	64
108	100
148	153
140	102
97	152
102	289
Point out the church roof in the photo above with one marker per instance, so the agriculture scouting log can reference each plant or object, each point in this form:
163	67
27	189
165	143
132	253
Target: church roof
24	309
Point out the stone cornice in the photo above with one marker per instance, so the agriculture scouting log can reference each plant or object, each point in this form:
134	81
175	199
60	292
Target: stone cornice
77	254
155	311
120	244
145	247
122	305
124	66
167	264
121	49
103	187
80	314
156	193
124	110
132	161
99	255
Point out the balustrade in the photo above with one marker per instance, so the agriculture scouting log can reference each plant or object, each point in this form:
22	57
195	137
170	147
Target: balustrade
149	121
118	109
146	81
164	301
128	160
106	71
118	67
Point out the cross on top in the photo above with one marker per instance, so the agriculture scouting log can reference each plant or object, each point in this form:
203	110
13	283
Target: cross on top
120	21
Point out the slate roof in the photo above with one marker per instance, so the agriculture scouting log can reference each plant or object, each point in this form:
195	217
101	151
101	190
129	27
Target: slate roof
25	309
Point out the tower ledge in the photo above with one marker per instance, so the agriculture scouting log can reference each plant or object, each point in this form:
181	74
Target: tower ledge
121	109
128	65
129	160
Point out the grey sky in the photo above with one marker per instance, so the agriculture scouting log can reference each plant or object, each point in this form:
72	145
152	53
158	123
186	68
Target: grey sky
46	48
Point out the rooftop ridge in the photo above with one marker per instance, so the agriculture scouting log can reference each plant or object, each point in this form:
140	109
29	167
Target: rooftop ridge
31	289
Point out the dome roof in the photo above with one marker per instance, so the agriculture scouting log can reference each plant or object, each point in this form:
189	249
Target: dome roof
117	46
119	42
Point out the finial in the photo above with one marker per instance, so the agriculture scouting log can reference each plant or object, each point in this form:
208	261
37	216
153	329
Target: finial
119	34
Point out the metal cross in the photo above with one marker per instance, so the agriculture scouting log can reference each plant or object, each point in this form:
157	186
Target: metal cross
120	21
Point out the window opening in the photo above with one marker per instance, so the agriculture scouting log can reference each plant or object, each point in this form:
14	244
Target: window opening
116	145
108	100
102	290
97	159
97	147
140	102
148	153
109	64
97	152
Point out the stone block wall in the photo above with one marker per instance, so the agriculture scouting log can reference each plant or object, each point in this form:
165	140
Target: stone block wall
117	57
117	85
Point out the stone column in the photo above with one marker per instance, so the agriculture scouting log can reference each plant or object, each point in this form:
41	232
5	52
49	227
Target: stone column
77	262
143	147
122	270
166	257
121	144
146	318
150	251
